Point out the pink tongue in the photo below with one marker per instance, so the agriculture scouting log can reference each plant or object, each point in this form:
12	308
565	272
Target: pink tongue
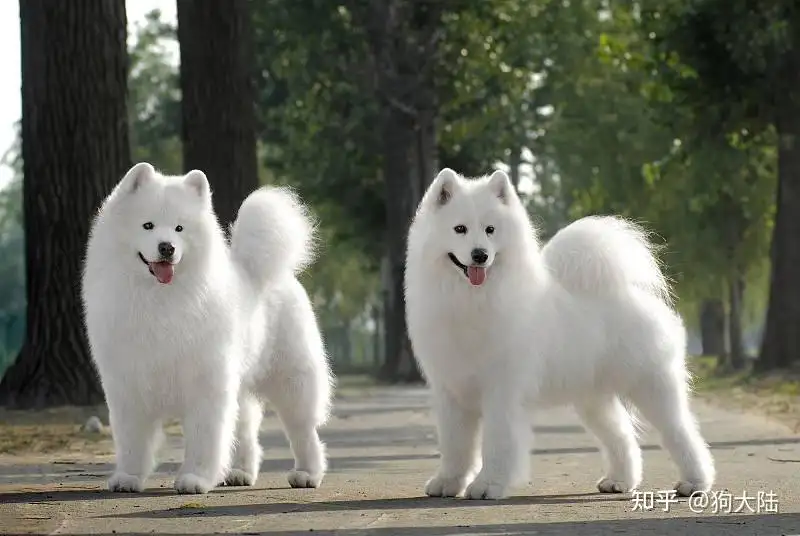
163	271
476	274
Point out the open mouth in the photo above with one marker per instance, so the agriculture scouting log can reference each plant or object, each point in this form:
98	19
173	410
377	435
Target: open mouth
475	274
164	271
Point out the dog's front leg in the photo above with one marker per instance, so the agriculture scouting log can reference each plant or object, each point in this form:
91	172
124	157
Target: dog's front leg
458	431
506	441
209	432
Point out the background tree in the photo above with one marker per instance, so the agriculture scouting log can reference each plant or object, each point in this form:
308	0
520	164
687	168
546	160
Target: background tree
361	100
219	129
154	95
74	149
625	137
742	83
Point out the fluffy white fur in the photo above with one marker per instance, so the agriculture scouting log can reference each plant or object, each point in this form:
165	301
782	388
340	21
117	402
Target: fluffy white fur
233	329
584	321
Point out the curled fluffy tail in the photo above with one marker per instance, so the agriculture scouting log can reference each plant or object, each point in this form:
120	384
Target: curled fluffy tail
273	235
605	254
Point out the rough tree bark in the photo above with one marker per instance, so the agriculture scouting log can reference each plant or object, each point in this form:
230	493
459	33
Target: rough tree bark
780	345
75	148
218	99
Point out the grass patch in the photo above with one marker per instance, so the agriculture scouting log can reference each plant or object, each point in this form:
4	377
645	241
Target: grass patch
708	377
355	384
47	438
776	394
32	432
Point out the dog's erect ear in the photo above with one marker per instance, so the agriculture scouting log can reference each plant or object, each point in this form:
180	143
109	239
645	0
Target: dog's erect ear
444	186
198	182
501	185
138	175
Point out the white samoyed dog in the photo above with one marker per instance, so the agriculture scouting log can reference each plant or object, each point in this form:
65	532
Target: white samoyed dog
183	324
502	326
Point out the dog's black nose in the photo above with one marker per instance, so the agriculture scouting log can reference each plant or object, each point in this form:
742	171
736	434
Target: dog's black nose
166	249
479	256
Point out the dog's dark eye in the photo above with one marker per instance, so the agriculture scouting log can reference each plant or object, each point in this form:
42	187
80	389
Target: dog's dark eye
490	230
179	228
148	226
460	229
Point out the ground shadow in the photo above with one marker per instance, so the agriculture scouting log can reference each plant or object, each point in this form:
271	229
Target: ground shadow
407	503
728	525
32	474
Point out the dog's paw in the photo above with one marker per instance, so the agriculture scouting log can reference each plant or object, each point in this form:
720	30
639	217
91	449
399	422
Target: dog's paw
238	477
609	485
440	486
483	488
686	488
303	479
192	484
125	483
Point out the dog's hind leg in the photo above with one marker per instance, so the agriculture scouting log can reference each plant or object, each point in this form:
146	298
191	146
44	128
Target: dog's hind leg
663	399
294	397
247	451
608	420
299	386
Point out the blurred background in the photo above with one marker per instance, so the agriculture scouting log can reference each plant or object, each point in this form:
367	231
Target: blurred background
680	114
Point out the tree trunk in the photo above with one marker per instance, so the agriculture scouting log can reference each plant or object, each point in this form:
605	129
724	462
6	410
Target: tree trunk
735	224
376	337
426	165
398	170
219	125
403	39
513	163
736	356
75	148
712	328
409	167
781	342
347	345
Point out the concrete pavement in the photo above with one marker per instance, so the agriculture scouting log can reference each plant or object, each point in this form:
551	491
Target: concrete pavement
382	448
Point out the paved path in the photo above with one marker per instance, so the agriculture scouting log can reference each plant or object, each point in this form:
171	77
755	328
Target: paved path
382	449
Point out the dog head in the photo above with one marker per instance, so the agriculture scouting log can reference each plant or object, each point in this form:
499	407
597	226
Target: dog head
469	223
160	222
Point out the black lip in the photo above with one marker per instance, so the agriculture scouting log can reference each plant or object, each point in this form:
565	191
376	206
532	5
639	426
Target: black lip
455	261
146	263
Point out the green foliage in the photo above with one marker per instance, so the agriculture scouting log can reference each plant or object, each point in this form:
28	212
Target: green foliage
720	107
343	284
320	115
735	52
317	126
154	99
623	110
487	86
632	132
